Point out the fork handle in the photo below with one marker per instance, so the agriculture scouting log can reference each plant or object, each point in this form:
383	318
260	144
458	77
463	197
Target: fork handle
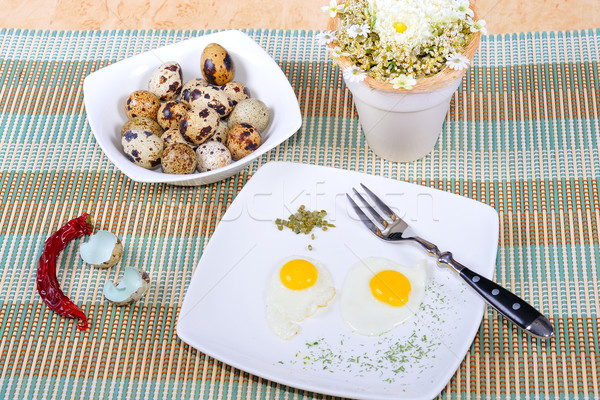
508	304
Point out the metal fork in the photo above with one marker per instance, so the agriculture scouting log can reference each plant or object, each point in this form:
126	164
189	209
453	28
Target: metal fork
392	228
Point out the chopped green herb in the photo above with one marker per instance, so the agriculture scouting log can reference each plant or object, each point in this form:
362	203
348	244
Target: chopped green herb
303	221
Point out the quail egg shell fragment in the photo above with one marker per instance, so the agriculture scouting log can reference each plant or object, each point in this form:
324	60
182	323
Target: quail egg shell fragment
166	81
142	147
103	249
133	286
212	155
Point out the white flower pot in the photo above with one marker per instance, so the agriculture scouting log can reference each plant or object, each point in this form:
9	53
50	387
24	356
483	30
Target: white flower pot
401	126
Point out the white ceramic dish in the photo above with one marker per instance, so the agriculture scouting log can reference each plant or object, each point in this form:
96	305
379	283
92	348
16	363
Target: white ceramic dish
223	313
105	92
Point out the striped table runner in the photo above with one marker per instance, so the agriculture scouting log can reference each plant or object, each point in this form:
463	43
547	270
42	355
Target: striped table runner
521	136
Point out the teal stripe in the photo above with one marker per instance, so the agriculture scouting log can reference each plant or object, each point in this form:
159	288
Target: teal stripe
584	50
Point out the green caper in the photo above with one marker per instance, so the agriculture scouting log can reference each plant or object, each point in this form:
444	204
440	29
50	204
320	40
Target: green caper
303	221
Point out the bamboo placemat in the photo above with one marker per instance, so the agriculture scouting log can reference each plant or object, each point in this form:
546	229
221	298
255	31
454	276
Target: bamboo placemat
521	135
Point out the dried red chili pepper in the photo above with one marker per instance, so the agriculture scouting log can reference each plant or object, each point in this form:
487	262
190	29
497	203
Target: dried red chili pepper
47	283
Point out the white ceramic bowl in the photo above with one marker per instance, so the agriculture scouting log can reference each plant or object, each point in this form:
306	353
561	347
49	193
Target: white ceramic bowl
105	92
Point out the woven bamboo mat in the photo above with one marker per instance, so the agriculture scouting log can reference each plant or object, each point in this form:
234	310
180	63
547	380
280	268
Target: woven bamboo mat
521	135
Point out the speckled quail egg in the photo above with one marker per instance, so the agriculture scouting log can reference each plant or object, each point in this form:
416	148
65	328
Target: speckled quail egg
172	136
199	124
142	147
212	155
251	111
236	91
221	133
170	113
142	103
166	81
217	65
144	123
179	158
210	96
243	139
193	83
189	87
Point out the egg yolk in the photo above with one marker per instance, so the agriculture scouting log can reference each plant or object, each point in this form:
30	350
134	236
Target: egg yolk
390	287
298	274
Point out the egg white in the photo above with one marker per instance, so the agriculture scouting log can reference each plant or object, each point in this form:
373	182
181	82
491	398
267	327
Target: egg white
369	316
286	307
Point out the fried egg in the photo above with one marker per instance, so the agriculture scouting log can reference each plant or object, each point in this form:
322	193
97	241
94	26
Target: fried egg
295	291
379	294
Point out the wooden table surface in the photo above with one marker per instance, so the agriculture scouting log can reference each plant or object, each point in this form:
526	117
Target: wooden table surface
502	16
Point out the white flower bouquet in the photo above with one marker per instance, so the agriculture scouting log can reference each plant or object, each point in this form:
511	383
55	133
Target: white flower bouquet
402	45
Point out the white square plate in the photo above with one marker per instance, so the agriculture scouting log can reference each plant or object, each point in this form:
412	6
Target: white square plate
106	90
223	313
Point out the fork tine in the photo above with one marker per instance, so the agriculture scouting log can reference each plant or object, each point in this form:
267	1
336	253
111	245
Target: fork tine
363	217
380	203
372	211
